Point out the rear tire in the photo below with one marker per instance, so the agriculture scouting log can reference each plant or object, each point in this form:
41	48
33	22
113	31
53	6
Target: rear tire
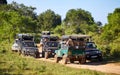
43	54
65	59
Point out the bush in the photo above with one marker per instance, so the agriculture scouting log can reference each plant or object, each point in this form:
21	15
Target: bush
115	48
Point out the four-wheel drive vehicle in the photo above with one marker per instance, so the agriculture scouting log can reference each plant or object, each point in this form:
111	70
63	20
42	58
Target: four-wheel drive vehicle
49	45
73	52
27	45
92	52
29	48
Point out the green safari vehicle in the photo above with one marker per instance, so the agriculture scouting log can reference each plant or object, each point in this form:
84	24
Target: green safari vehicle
71	52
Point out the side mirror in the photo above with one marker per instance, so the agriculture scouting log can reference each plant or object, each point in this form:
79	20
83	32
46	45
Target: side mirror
95	46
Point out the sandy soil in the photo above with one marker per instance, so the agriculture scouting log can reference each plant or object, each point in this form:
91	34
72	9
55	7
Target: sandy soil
97	66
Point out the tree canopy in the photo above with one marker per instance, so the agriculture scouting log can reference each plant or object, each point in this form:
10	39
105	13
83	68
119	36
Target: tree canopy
79	19
48	20
110	36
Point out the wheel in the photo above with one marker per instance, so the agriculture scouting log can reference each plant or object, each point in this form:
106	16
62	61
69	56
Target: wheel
57	59
36	55
82	60
46	55
20	52
71	61
23	53
65	59
100	58
43	54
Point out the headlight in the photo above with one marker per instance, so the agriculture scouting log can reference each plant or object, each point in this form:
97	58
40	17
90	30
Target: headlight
27	49
98	51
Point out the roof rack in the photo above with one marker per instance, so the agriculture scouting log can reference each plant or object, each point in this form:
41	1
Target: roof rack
75	36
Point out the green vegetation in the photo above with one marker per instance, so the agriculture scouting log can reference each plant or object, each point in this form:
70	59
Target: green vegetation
109	39
48	20
3	1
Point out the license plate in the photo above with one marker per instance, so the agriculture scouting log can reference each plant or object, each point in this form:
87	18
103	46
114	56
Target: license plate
93	56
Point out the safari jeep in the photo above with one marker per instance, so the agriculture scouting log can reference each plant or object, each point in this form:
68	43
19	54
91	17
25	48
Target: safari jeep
71	50
48	45
92	52
27	45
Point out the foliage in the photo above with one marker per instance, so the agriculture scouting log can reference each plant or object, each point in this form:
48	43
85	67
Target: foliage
109	39
23	10
59	30
48	20
3	1
12	22
79	16
80	20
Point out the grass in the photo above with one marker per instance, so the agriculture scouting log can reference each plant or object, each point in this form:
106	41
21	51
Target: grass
14	64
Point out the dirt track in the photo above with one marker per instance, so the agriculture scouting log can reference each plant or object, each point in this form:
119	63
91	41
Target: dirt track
98	66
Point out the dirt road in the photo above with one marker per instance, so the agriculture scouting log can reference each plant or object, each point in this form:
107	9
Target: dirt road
98	66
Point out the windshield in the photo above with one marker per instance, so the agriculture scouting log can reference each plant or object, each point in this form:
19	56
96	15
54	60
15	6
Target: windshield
28	44
90	45
52	44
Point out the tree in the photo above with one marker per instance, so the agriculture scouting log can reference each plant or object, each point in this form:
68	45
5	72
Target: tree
112	29
80	20
111	33
78	16
48	20
99	23
23	10
3	1
12	23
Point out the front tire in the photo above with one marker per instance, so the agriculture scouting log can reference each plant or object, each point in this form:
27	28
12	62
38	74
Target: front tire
100	58
57	59
46	55
37	55
82	60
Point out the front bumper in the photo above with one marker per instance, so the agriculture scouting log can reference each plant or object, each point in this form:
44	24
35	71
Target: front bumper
94	56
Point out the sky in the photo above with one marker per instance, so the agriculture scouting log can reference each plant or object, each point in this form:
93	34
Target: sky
99	9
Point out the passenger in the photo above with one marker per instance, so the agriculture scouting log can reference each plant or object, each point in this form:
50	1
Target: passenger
69	42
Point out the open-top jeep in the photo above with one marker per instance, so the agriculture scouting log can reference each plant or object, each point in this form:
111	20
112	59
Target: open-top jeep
72	48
